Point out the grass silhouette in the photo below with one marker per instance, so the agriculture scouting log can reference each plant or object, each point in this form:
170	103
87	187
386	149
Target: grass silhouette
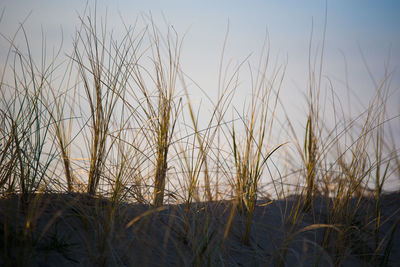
109	164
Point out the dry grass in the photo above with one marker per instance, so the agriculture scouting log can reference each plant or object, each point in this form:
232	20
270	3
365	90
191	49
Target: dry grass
114	154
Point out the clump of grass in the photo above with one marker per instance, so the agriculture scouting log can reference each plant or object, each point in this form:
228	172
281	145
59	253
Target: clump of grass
251	153
153	90
163	122
102	88
26	154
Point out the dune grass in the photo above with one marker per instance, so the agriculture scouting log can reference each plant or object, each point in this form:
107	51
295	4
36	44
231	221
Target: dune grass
120	129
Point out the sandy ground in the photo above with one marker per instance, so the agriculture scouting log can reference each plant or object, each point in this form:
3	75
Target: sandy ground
75	230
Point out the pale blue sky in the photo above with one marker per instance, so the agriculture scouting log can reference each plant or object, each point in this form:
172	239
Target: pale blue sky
354	27
370	26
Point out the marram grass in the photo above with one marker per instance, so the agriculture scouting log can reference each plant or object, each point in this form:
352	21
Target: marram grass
113	164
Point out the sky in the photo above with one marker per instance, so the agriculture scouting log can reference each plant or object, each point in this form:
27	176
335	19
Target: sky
355	28
362	37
